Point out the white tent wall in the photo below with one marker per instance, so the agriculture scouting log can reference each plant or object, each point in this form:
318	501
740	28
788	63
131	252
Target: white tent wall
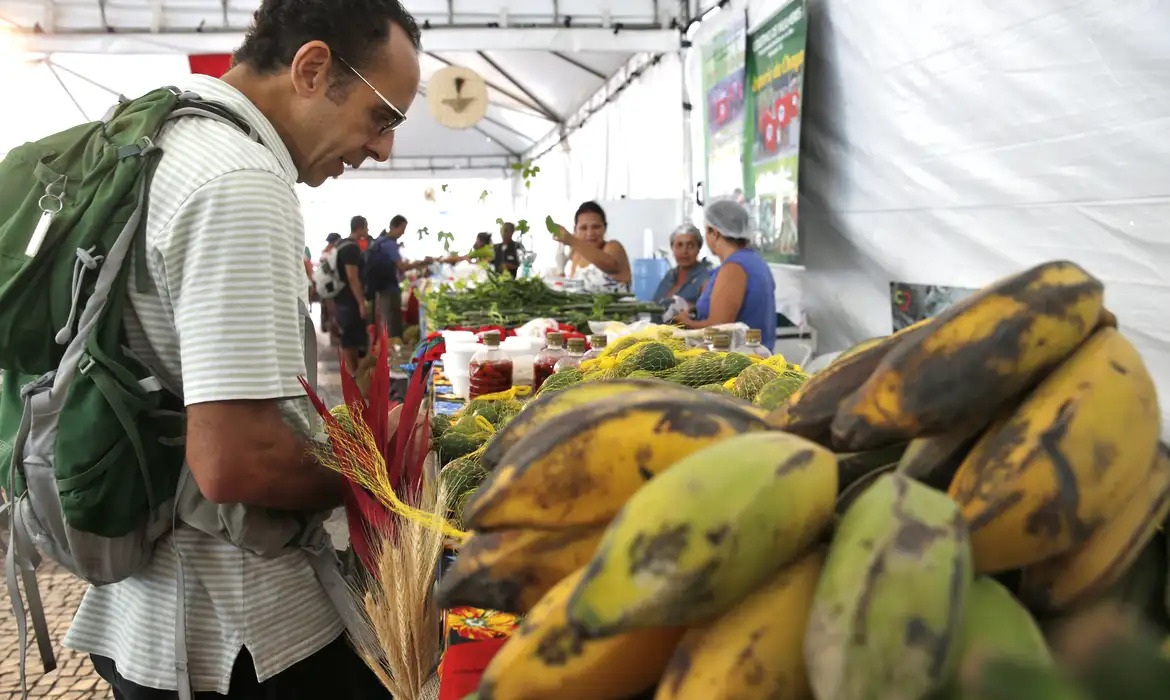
631	147
953	144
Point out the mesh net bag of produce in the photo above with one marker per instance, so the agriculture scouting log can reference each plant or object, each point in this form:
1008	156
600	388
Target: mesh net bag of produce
461	477
778	390
705	368
464	436
748	383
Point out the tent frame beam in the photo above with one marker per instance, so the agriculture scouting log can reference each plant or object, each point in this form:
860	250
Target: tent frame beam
549	112
578	64
536	111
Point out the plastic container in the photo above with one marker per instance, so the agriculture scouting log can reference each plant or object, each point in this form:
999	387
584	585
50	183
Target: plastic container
460	382
647	274
458	356
451	337
545	363
573	357
491	370
720	342
598	344
522	356
753	346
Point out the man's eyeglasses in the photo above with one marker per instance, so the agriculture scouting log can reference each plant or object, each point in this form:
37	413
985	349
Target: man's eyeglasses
397	118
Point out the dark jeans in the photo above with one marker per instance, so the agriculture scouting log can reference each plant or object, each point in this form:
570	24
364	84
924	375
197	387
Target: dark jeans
353	328
334	672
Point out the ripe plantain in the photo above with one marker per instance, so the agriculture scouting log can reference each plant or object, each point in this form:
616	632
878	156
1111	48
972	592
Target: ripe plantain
510	570
854	466
888	607
549	657
1065	461
1090	569
995	626
810	410
545	407
975	357
703	534
582	471
934	459
754	650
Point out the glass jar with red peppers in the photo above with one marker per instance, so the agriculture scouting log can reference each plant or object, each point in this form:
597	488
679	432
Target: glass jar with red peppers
574	356
491	370
545	363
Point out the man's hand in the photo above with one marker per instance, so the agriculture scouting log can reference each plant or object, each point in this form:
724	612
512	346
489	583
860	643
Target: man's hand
364	310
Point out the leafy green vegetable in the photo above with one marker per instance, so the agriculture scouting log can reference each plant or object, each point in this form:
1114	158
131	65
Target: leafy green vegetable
551	225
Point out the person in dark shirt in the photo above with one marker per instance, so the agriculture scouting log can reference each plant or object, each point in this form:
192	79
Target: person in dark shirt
350	305
507	259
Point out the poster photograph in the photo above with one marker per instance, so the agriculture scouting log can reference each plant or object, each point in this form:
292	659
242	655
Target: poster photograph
724	94
775	79
912	303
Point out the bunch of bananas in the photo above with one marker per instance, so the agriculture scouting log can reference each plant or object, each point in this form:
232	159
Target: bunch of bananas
894	530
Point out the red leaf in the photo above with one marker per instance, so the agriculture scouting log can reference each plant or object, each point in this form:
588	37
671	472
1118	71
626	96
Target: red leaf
378	408
349	388
411	406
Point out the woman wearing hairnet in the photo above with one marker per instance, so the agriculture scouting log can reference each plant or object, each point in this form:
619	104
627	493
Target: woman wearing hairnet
687	277
741	289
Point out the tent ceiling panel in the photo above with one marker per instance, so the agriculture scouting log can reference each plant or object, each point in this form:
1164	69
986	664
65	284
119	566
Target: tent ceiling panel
500	89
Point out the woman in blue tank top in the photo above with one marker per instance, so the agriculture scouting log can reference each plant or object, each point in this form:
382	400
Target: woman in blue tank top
741	289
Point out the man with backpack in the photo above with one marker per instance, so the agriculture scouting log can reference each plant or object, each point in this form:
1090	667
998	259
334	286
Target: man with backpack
353	312
154	436
384	268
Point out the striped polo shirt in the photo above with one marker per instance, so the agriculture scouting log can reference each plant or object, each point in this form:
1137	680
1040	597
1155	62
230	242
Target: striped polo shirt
224	247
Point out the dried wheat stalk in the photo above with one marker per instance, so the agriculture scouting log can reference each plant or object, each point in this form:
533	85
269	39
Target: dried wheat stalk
399	605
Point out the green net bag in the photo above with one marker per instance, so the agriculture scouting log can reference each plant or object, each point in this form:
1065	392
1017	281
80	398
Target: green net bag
564	379
697	371
778	390
749	382
651	356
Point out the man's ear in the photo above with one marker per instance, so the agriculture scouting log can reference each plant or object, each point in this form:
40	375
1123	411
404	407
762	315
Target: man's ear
311	67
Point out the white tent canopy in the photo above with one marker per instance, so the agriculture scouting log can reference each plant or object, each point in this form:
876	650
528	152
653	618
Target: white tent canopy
542	60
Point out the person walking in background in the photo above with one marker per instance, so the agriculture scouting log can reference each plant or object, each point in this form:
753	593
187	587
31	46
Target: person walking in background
328	306
243	598
507	260
384	271
353	309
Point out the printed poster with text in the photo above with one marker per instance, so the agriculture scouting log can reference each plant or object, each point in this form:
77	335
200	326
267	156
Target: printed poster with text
723	89
775	78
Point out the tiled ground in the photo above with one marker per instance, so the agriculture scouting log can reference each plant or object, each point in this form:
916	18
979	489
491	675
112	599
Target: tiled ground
75	678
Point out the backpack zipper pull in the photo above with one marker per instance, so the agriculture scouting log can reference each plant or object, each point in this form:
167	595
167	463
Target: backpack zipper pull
50	204
39	233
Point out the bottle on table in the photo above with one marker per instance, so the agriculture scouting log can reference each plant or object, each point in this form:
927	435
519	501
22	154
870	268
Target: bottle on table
597	344
720	342
754	345
545	363
490	370
573	357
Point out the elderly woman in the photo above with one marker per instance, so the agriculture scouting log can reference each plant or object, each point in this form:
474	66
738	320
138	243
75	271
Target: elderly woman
741	289
600	264
687	277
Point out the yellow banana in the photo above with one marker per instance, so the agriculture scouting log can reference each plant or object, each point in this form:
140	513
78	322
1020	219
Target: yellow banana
934	459
545	407
1089	570
810	410
975	357
549	657
1065	462
889	603
582	470
754	650
704	533
510	570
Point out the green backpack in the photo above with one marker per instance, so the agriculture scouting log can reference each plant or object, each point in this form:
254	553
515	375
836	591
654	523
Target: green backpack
91	441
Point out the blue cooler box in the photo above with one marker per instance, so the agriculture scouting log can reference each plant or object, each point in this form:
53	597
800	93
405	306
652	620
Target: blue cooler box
648	272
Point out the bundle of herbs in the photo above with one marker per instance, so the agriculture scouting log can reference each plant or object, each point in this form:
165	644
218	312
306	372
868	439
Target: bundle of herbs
507	302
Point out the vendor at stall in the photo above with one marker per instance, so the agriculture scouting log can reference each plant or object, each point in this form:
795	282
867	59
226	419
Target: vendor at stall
600	264
483	250
741	288
687	277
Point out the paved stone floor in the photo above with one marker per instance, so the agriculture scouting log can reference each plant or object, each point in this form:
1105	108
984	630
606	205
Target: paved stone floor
75	678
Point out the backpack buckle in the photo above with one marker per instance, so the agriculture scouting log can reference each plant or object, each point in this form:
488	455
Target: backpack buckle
86	364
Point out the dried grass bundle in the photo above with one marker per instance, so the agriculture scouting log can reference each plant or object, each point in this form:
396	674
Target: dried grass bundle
398	600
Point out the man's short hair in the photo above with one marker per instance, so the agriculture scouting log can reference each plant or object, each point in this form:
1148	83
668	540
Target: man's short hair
509	227
398	220
358	222
353	30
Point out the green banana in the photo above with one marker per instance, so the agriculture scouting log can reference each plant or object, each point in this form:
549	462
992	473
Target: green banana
934	459
887	611
706	532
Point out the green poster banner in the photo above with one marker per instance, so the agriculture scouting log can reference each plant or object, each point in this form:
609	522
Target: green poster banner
775	79
723	92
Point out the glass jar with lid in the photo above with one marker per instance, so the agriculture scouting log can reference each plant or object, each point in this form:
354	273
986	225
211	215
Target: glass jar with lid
720	342
573	357
545	363
597	343
754	346
490	371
